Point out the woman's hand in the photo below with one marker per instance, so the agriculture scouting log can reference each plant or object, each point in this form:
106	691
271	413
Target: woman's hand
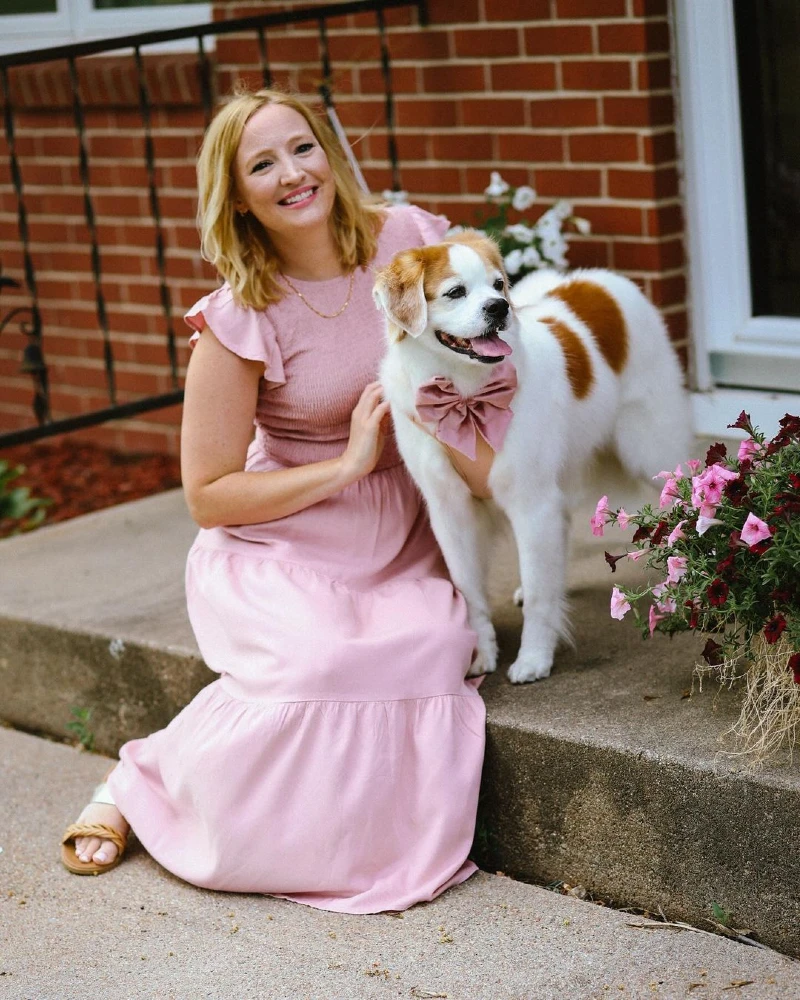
367	434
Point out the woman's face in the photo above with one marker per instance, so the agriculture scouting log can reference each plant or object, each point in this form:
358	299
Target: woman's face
282	173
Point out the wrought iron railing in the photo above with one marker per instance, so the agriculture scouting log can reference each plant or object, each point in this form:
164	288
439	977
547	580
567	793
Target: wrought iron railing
28	317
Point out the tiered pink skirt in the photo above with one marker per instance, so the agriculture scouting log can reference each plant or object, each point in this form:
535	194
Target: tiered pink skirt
336	760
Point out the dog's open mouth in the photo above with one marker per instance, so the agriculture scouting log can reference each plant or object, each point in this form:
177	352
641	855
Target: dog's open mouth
489	348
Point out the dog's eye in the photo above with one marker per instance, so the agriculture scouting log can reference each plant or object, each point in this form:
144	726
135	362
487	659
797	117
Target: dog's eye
456	293
498	285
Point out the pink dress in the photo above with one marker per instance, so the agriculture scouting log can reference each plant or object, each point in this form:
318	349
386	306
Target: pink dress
336	759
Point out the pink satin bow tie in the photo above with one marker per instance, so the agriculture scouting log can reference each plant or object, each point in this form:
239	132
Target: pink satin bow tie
459	421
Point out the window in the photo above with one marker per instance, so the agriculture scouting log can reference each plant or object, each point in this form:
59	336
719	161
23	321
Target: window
35	24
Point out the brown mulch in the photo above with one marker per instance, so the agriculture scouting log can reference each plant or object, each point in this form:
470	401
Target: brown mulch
79	477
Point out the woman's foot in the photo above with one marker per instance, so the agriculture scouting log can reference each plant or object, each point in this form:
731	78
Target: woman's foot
102	852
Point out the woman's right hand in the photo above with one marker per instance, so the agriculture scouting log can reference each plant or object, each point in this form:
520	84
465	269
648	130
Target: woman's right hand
367	434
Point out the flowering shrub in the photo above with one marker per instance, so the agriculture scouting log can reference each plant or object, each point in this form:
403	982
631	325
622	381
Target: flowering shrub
725	540
19	511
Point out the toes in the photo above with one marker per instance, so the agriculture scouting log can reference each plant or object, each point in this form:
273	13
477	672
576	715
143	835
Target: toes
106	853
90	845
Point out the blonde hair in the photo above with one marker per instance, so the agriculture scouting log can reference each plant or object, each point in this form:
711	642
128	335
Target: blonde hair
238	245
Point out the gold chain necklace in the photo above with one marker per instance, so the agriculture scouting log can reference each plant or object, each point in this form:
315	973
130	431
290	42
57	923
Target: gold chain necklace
338	312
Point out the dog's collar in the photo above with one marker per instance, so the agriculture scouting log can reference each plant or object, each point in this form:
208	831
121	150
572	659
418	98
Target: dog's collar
458	420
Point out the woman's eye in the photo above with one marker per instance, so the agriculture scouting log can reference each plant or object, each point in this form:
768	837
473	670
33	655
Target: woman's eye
498	285
260	165
305	147
456	293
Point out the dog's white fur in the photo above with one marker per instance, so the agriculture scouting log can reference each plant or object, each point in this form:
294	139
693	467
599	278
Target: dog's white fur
641	411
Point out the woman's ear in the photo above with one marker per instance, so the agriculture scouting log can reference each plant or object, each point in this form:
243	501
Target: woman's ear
399	292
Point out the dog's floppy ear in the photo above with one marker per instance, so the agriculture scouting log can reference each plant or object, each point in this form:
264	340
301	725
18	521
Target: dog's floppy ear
399	291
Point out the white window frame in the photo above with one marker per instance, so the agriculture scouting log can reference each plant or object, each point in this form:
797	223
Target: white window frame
731	347
78	21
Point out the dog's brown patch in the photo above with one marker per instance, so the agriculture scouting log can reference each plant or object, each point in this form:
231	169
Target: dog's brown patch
595	307
412	277
481	244
578	362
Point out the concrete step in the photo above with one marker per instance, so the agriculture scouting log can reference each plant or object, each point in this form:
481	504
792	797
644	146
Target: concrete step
605	775
138	933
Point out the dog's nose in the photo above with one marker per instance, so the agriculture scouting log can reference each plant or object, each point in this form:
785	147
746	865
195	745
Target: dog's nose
496	309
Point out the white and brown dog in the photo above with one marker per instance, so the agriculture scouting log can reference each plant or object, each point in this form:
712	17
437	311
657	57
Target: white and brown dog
592	366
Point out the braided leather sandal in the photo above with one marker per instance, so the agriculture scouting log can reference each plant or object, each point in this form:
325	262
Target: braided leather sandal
69	857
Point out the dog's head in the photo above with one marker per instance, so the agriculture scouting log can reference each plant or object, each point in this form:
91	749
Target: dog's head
453	295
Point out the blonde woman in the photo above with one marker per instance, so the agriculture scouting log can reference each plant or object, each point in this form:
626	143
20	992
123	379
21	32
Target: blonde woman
336	759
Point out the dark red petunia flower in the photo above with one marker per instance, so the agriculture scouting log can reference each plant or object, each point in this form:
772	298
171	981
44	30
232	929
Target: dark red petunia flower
694	617
717	592
711	653
774	628
658	534
613	560
736	490
641	533
790	424
794	666
716	453
726	564
743	423
761	547
735	540
781	594
794	479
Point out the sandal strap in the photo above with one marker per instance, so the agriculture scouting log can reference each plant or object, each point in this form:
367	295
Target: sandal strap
95	830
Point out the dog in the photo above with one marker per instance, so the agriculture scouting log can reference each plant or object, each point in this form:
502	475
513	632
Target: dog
592	367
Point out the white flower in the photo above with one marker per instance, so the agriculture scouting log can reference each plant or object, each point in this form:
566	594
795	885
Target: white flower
582	225
531	257
396	197
497	188
520	232
523	198
704	523
513	261
562	209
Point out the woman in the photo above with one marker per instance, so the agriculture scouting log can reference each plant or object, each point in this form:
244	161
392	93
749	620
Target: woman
336	759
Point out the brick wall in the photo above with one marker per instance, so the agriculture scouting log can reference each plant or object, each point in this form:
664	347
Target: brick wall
572	97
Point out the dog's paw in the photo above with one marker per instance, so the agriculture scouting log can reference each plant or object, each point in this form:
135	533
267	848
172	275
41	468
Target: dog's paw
518	598
530	667
485	661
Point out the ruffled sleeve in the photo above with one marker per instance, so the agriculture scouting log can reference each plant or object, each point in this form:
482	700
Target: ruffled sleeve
431	228
244	331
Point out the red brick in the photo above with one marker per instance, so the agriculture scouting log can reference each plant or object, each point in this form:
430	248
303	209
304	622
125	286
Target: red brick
648	256
361	113
453	11
426	113
631	36
596	75
603	147
462	146
418	45
452	78
486	43
566	183
643	183
409	147
523	76
588	253
292	49
492	112
638	111
612	219
678	327
517	10
563	112
668	291
354	48
433	179
563	39
654	74
404	80
590	8
239	51
650	8
531	147
665	220
660	148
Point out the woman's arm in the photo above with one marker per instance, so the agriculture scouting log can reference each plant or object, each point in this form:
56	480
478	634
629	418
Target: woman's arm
218	411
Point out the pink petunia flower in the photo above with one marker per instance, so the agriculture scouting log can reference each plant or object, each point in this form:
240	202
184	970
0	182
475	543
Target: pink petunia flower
749	449
678	473
694	464
664	475
704	523
708	486
637	554
755	530
676	568
669	494
619	604
598	519
623	518
654	619
677	533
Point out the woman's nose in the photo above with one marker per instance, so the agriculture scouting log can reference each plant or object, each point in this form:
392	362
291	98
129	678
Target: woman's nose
291	172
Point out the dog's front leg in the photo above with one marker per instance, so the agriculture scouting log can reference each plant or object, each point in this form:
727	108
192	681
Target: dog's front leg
539	525
463	533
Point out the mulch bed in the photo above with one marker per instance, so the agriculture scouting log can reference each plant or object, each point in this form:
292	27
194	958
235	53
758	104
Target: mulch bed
79	477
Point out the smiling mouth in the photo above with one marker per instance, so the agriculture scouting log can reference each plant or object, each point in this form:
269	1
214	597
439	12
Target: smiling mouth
298	199
489	348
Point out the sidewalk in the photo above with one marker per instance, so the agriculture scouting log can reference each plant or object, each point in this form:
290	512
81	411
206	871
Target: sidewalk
138	932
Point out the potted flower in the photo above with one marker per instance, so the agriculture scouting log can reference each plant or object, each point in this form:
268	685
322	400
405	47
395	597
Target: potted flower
724	540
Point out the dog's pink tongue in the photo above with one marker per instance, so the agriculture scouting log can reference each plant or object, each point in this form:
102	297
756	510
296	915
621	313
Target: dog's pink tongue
490	346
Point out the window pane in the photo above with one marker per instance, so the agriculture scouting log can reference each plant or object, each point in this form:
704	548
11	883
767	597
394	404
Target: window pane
28	7
115	4
768	51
